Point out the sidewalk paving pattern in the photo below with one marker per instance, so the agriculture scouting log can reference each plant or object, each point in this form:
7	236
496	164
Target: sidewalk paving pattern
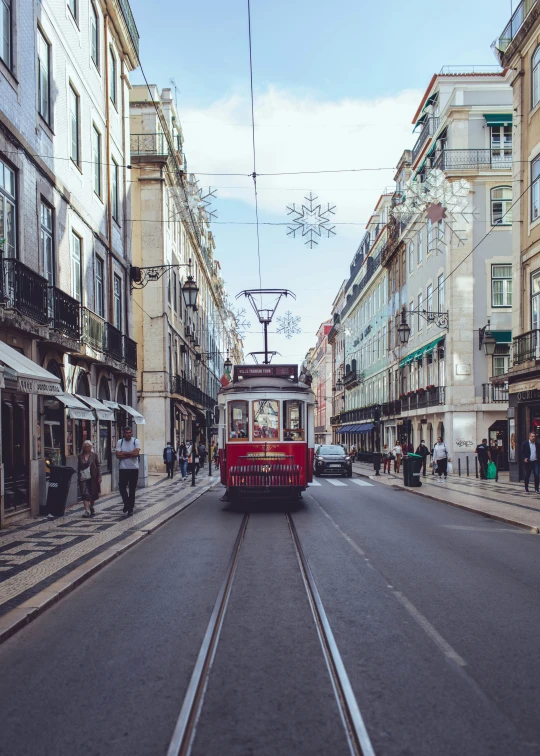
500	500
37	553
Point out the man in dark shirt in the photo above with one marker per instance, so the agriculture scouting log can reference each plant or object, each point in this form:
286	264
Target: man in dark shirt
423	451
484	455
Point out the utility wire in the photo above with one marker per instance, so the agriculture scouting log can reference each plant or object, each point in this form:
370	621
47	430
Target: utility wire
254	174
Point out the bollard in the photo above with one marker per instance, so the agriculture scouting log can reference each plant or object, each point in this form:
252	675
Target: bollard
467	458
459	467
476	465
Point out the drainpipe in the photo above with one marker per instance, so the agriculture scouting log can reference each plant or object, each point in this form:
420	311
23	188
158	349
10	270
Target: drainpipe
126	238
108	142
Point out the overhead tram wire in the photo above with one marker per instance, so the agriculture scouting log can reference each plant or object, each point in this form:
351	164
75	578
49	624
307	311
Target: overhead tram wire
254	174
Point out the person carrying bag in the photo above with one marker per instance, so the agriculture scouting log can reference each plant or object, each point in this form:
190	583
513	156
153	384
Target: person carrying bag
440	458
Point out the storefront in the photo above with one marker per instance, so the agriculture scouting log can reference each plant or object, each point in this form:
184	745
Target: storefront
523	418
104	417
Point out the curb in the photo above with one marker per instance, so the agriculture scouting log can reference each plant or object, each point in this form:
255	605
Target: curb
22	615
483	513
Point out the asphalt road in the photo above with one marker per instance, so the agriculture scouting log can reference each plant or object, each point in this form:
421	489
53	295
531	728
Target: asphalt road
435	611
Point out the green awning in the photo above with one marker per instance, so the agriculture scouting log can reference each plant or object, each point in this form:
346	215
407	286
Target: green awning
502	337
420	121
499	119
420	352
430	100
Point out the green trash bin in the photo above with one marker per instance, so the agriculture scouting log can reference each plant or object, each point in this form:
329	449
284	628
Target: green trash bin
414	470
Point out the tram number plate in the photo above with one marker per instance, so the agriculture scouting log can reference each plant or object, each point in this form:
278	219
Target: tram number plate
334	465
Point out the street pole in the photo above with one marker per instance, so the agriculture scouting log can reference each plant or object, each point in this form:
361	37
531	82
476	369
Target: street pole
209	448
193	452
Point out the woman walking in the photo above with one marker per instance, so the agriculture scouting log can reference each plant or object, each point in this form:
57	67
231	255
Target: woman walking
397	452
183	459
89	474
387	459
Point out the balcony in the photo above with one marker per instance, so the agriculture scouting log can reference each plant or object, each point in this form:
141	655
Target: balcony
113	342
335	420
430	127
185	388
93	330
390	409
24	290
151	144
130	352
130	23
511	31
495	393
470	160
65	313
525	347
433	397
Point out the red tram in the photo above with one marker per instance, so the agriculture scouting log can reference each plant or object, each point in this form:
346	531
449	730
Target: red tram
266	431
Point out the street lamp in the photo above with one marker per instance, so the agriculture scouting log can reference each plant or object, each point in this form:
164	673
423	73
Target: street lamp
227	365
339	384
403	329
488	341
190	290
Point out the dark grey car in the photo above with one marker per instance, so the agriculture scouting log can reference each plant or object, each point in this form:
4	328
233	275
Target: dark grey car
332	459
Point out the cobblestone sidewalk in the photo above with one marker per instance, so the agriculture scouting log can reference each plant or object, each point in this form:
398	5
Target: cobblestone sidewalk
36	554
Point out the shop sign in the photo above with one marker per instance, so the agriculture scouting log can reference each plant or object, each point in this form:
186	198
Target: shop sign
37	386
527	396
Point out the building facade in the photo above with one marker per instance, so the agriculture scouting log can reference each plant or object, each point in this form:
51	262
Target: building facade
183	350
65	240
518	50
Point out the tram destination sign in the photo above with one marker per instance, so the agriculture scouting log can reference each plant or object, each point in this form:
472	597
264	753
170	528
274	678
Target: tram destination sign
266	371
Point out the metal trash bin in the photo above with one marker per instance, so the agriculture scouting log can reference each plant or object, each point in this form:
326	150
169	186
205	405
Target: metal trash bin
414	470
59	482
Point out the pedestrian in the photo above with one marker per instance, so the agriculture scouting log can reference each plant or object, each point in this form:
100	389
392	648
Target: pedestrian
183	458
215	455
423	451
397	452
494	451
387	459
127	451
484	455
89	474
440	458
169	458
530	454
202	454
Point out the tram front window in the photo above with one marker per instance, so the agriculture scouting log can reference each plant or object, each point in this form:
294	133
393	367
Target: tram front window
266	419
293	420
238	420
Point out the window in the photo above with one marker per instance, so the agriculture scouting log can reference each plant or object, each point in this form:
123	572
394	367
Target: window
100	292
535	189
96	159
46	241
5	32
94	34
112	75
174	290
440	289
293	413
535	78
7	209
266	419
500	365
76	288
74	124
419	248
44	57
420	305
411	257
117	302
411	308
114	190
535	303
501	206
72	5
501	145
429	298
238	420
501	285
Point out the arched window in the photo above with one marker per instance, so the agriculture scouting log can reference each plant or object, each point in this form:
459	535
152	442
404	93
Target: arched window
54	368
535	67
104	392
501	206
121	394
83	387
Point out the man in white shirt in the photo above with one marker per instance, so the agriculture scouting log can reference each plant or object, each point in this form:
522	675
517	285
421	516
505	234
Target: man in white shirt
440	457
127	451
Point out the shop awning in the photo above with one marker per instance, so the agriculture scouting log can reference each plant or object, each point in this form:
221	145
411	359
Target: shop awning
367	427
102	411
76	409
182	409
139	419
111	405
420	352
499	119
30	377
502	337
346	428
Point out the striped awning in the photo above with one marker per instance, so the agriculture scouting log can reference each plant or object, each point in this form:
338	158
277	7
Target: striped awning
419	353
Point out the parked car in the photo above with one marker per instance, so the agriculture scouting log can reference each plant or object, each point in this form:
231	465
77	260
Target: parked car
332	459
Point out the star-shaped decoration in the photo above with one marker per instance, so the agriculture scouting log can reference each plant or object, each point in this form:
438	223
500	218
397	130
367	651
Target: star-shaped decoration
311	220
289	324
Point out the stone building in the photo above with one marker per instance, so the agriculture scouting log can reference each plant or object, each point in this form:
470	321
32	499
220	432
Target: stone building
336	341
183	350
518	50
65	295
320	367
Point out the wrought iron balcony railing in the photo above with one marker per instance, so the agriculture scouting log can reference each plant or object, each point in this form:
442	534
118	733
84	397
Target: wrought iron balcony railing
427	398
151	144
130	352
185	388
93	330
455	160
389	409
24	290
113	342
494	393
430	127
65	313
526	347
130	23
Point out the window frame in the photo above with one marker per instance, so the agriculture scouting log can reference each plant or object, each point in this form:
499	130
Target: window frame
269	438
506	288
420	304
46	116
74	99
76	278
117	302
8	5
505	213
301	429
99	287
419	250
8	198
113	91
47	233
94	36
440	289
230	407
97	154
429	298
535	189
535	74
73	6
115	197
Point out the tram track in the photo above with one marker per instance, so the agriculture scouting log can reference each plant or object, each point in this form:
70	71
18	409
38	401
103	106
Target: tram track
183	737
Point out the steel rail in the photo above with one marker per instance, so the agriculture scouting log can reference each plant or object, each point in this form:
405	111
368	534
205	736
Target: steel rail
357	735
184	731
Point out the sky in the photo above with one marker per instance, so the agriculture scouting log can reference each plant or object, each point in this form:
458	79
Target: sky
336	87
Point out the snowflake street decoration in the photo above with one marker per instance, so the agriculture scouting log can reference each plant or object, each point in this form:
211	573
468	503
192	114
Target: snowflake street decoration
441	200
289	324
242	323
311	220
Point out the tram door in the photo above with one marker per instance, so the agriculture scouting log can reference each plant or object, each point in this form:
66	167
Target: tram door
15	451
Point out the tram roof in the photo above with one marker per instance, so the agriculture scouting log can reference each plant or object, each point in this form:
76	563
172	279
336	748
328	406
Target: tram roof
271	383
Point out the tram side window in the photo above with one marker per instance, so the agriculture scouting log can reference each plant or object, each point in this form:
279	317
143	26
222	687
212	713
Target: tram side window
266	419
238	420
293	412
